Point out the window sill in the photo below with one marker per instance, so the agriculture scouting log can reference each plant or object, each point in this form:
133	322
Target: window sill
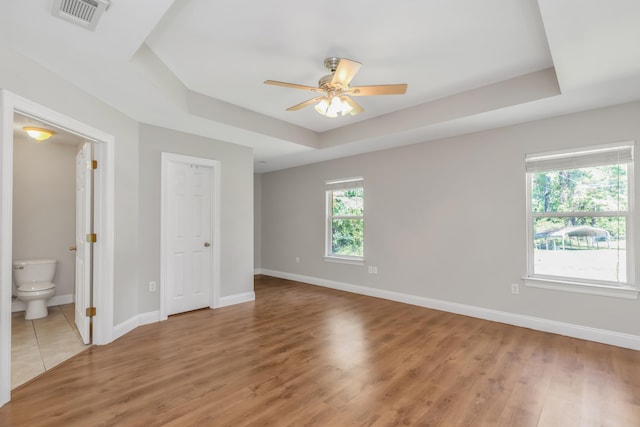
344	260
582	288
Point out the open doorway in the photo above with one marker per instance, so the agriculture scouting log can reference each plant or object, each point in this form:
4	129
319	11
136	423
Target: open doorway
51	203
103	221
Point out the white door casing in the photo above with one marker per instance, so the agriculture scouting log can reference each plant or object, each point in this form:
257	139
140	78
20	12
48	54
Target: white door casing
189	238
83	248
104	153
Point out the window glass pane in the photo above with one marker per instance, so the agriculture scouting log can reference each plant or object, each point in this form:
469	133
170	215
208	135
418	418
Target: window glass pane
581	247
592	189
348	202
347	237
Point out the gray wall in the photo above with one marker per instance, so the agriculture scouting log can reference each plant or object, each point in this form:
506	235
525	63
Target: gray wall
446	219
44	205
236	208
28	79
137	186
257	224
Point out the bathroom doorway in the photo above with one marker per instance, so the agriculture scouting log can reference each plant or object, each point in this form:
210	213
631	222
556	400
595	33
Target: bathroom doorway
103	248
52	190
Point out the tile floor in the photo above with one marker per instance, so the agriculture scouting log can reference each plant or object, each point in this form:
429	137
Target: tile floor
41	344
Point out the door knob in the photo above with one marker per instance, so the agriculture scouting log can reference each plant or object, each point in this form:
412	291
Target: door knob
207	244
73	248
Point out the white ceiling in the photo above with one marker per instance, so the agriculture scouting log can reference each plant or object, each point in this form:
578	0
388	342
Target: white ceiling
199	65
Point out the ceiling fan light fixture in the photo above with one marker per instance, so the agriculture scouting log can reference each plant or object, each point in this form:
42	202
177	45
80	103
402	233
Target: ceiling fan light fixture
39	134
345	107
336	99
322	106
333	106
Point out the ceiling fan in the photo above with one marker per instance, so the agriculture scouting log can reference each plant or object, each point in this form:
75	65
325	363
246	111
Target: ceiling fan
336	92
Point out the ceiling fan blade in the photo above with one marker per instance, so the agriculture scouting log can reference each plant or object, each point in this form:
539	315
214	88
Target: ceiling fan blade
293	85
345	72
305	103
398	89
356	108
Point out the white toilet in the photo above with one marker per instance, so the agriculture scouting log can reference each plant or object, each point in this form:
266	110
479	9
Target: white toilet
34	283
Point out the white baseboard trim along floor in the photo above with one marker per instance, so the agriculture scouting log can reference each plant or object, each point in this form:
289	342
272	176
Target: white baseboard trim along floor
568	329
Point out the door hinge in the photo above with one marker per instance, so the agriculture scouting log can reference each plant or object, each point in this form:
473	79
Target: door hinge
92	237
92	164
91	311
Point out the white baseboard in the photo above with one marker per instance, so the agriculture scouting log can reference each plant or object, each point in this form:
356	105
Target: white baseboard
568	329
154	316
129	325
237	299
257	271
18	305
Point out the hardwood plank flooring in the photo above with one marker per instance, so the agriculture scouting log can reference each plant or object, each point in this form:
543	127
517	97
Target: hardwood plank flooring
302	355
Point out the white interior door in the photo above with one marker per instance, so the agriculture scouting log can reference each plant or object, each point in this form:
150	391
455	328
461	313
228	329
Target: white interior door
189	258
83	248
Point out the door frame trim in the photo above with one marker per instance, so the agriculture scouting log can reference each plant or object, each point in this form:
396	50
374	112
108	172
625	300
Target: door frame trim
11	103
167	158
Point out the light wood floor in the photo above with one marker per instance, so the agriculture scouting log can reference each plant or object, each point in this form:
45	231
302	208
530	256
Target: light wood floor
303	355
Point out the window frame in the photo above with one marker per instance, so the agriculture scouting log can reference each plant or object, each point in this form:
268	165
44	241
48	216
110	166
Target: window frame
330	187
626	289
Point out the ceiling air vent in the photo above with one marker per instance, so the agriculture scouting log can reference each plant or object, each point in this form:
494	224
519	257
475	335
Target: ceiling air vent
85	13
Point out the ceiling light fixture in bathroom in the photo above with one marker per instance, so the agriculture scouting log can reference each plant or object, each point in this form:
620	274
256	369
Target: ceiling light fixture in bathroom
39	134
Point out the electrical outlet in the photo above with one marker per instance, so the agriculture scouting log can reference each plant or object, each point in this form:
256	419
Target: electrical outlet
375	270
515	288
370	270
153	287
297	259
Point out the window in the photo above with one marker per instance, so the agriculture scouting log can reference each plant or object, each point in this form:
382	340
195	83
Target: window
345	219
579	216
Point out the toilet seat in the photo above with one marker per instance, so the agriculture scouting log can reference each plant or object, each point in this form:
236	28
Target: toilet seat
36	287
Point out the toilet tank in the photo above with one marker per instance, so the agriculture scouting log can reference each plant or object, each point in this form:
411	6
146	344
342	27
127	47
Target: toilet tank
33	270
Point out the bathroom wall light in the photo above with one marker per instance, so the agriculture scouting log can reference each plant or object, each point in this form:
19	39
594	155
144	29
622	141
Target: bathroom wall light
39	134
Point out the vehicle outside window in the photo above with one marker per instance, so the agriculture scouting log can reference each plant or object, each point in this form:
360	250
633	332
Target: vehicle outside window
579	215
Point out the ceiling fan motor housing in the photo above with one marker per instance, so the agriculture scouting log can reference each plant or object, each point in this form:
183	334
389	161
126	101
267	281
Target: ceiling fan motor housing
324	83
331	64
